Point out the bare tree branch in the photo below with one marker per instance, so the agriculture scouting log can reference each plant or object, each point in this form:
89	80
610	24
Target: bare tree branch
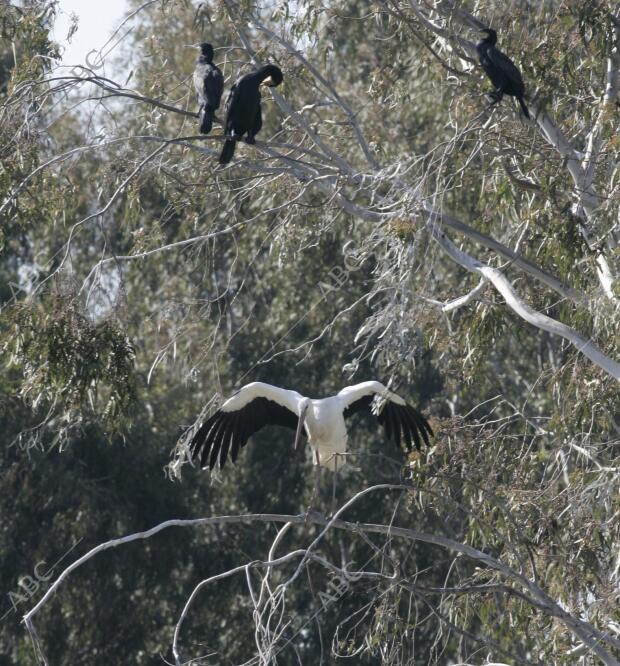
531	592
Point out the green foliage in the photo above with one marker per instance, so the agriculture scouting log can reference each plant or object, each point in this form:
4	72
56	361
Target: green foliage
177	281
69	363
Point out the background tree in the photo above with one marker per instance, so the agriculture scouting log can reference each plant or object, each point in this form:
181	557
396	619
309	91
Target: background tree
388	224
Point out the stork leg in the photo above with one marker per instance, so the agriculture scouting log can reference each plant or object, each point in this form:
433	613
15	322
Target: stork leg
316	483
334	481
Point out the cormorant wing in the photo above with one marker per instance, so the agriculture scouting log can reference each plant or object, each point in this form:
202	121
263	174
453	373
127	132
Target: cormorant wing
213	86
505	65
233	95
254	406
209	84
396	416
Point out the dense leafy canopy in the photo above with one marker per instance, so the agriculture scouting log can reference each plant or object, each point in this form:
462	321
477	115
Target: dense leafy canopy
389	224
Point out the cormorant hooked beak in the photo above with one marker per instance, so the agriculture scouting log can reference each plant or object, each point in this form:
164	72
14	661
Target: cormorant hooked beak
300	424
269	82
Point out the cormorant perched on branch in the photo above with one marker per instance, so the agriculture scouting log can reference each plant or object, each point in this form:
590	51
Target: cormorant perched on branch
501	70
243	112
209	84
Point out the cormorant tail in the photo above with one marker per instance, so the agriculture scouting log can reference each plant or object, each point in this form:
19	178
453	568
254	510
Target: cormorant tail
206	120
526	113
227	151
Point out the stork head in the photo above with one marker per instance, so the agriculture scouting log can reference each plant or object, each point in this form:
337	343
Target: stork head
303	408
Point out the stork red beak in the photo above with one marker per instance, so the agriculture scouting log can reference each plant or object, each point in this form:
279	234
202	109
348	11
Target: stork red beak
300	425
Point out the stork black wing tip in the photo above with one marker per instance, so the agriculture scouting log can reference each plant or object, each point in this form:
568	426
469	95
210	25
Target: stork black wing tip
213	458
423	427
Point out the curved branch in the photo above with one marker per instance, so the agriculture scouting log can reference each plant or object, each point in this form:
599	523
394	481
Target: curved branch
317	75
586	632
517	259
105	84
517	305
580	172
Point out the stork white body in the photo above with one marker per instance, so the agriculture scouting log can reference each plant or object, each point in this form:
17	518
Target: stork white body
259	404
327	431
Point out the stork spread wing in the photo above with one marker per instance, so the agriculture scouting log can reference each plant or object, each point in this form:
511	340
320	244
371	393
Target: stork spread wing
396	416
254	406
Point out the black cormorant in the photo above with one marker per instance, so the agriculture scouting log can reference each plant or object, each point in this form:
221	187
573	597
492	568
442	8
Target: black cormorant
501	70
243	112
209	84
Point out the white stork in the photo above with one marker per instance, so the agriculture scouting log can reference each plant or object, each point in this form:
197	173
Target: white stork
257	405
